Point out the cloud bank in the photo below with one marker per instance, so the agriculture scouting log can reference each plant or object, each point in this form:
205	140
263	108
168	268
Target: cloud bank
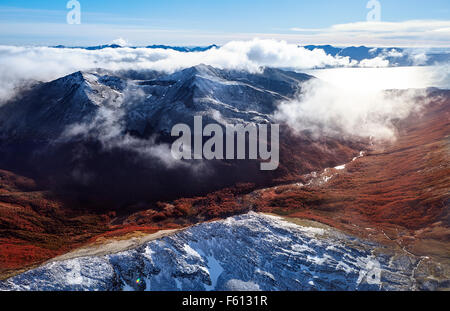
19	64
382	33
343	105
326	109
354	101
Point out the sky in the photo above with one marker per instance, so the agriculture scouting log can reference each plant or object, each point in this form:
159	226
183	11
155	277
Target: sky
200	22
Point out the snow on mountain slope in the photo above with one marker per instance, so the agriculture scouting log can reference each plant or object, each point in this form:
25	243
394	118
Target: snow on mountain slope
46	110
146	106
102	133
251	251
217	95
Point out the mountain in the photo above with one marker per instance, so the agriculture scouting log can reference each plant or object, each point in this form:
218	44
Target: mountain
396	56
184	49
248	252
392	203
160	103
328	49
218	95
47	109
82	169
91	131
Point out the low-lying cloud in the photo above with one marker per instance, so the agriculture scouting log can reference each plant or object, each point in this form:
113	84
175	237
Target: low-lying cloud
108	127
19	64
326	109
340	106
355	101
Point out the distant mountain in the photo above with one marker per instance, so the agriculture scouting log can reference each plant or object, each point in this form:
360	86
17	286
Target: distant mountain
331	50
165	47
183	49
355	53
396	56
90	48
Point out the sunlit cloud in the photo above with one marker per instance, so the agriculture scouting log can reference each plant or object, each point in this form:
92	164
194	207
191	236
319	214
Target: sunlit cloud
406	33
20	26
19	64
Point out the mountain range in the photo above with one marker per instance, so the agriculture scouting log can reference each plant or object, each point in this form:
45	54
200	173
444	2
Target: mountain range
86	175
396	56
71	125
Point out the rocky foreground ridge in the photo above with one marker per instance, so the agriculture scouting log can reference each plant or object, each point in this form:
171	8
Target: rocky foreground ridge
247	252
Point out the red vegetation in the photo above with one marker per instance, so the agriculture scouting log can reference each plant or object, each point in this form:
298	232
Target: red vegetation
400	189
404	183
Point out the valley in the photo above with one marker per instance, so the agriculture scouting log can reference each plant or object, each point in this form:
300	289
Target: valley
71	201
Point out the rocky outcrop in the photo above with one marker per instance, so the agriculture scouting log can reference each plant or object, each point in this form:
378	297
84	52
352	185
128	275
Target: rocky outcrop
251	251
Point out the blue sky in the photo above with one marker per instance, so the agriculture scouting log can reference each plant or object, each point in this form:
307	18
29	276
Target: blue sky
200	22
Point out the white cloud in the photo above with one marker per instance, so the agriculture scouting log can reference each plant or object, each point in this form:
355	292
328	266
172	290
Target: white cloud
418	58
45	64
411	26
393	53
120	41
340	103
376	62
19	64
353	101
399	34
326	109
406	33
108	128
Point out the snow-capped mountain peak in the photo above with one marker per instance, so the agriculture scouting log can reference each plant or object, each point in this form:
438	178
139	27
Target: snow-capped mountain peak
157	104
